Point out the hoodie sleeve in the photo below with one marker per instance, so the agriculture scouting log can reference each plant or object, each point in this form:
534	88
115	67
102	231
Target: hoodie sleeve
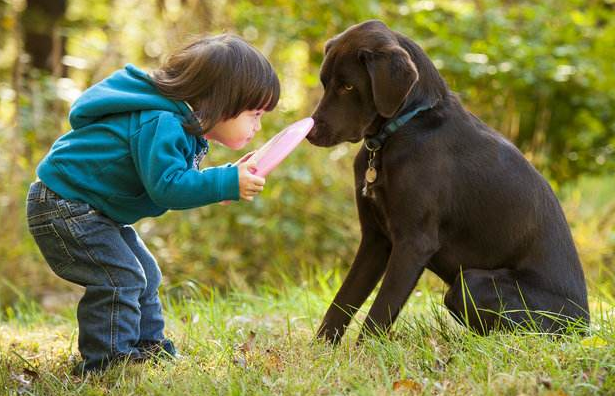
160	150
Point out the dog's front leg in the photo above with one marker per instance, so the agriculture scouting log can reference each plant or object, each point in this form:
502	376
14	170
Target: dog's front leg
365	272
406	264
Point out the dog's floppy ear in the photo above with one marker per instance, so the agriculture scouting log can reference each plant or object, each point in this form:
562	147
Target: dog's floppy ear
393	74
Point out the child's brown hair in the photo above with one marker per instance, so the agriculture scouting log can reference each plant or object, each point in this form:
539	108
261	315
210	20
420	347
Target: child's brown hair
220	77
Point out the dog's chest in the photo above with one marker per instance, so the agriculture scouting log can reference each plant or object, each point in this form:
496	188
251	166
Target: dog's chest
372	179
371	190
375	186
373	195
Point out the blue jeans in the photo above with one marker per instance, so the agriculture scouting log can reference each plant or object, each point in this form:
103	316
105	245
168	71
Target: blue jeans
120	309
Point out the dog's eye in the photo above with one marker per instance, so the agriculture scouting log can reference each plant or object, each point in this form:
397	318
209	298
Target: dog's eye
348	87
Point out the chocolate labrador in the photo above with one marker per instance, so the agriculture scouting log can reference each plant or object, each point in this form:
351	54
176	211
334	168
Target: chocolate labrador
438	189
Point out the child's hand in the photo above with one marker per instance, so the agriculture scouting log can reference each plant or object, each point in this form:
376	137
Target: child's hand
249	185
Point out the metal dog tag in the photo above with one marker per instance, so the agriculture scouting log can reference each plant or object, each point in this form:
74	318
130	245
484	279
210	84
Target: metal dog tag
371	174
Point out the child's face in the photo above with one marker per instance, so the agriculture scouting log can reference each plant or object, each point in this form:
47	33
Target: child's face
236	132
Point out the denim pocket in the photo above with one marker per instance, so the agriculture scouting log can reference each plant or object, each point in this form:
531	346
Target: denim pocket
91	223
52	246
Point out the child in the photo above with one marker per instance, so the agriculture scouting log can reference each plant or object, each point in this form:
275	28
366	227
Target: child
134	151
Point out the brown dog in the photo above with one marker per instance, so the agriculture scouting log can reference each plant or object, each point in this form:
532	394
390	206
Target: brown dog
436	188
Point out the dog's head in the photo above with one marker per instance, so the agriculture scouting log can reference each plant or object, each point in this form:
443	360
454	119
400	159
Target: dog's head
368	73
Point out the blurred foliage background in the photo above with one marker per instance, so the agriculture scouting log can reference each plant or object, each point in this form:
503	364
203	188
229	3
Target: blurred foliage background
542	73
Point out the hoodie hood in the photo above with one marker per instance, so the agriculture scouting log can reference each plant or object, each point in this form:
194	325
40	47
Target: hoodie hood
126	90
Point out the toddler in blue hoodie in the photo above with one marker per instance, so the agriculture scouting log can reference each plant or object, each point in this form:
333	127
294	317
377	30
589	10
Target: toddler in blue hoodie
133	152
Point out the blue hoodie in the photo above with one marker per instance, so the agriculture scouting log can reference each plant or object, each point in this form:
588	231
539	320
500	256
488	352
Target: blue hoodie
129	156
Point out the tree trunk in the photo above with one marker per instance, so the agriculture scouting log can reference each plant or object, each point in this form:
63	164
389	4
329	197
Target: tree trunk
41	34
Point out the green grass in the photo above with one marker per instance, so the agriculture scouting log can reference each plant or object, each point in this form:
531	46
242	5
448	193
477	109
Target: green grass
261	342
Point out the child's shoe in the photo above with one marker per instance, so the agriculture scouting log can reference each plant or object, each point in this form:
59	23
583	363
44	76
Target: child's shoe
82	368
158	349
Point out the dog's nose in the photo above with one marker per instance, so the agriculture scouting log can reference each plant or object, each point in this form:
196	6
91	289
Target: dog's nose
310	136
312	131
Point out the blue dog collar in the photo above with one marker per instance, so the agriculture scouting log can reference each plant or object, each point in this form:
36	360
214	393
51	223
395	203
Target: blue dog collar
376	142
